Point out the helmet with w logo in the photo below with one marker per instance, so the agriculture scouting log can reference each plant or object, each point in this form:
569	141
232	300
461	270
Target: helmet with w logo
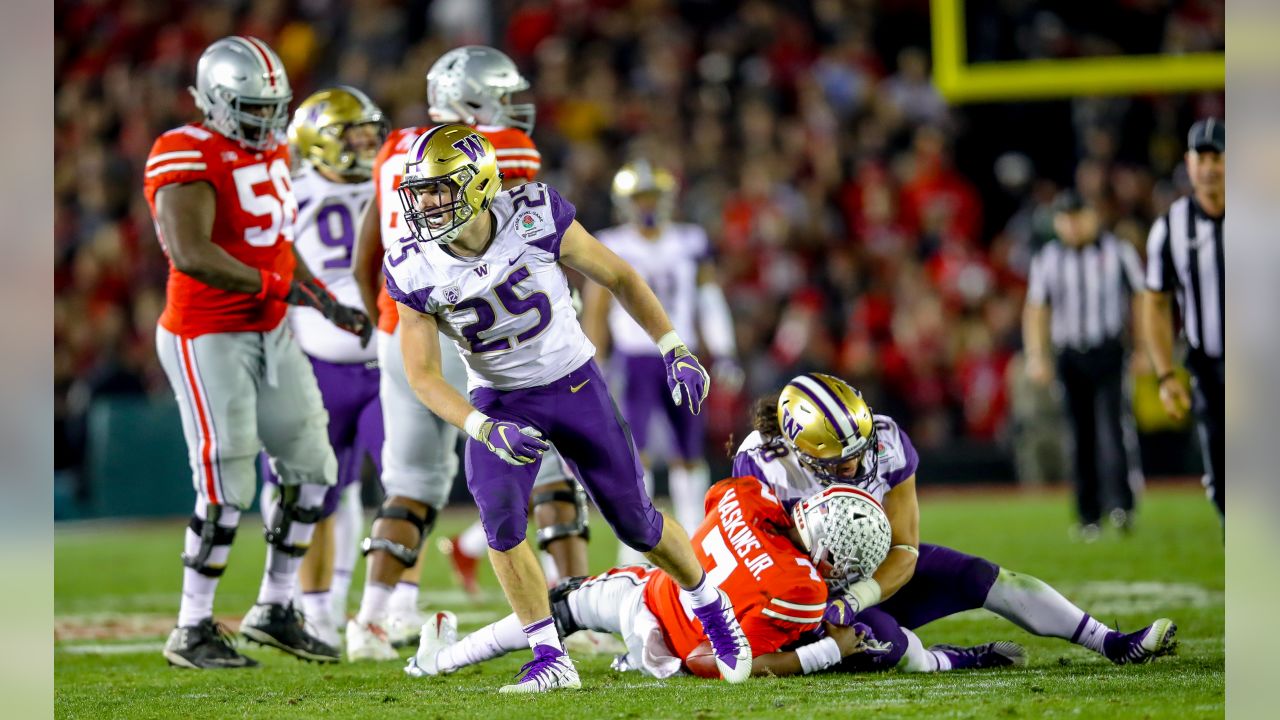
450	177
243	91
828	425
320	126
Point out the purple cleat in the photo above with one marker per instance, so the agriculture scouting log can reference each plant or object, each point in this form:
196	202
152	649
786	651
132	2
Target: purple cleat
1152	641
550	669
982	657
733	652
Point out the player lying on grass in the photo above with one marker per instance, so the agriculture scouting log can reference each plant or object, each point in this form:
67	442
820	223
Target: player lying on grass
769	561
820	433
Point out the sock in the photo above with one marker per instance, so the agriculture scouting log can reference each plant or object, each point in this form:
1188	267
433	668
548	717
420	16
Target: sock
472	542
198	590
491	641
404	598
339	589
702	594
315	606
543	632
347	525
1034	606
919	659
549	569
373	604
281	574
688	489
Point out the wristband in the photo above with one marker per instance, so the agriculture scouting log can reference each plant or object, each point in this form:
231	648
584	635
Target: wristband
865	592
909	548
475	420
274	286
818	656
1164	377
669	342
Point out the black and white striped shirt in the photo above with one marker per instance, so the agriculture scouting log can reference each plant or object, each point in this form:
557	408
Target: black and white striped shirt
1088	289
1184	256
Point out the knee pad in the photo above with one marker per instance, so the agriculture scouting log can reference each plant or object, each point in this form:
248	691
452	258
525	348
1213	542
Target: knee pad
574	528
560	610
211	535
287	513
407	556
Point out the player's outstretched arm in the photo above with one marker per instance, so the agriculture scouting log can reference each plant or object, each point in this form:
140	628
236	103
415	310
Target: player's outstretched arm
840	643
367	259
184	218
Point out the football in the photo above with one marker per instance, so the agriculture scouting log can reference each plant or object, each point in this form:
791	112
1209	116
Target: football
701	661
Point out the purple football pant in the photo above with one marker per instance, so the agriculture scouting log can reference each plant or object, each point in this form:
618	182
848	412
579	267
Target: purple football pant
577	415
946	582
646	393
350	394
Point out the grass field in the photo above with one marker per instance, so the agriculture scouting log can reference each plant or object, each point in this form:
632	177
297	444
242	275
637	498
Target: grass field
117	589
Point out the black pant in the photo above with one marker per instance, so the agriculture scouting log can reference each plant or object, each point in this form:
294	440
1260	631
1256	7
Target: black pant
1094	384
1210	406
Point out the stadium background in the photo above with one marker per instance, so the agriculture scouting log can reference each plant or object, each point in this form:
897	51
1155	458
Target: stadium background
862	224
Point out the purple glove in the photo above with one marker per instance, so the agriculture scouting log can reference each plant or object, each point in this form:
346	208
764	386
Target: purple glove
514	444
839	612
870	645
685	375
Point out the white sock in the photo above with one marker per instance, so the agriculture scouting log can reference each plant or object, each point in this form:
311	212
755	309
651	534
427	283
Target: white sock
315	606
404	598
542	632
281	574
1034	606
373	604
198	590
339	589
702	594
688	492
919	659
348	522
549	569
473	542
491	641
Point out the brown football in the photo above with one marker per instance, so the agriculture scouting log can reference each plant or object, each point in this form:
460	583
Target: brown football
701	661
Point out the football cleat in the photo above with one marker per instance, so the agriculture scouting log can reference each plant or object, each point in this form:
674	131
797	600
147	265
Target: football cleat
205	646
550	669
368	641
439	632
283	627
982	657
1152	641
403	627
464	566
733	652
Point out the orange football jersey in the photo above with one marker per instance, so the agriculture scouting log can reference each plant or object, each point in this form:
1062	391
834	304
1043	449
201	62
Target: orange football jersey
253	222
517	158
743	546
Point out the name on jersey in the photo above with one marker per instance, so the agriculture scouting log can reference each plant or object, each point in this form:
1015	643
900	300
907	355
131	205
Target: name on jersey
740	536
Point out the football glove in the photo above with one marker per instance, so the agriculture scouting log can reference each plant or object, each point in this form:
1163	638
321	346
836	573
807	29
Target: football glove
314	294
839	612
686	376
514	444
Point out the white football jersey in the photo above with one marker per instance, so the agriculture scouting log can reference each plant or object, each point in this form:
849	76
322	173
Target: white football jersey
324	234
669	265
775	464
508	311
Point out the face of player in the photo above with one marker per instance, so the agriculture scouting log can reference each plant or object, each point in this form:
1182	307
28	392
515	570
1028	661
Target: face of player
1079	227
436	201
646	209
362	140
259	125
1207	170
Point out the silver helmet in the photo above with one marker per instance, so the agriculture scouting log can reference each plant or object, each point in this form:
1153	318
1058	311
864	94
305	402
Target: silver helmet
845	531
243	91
473	85
643	178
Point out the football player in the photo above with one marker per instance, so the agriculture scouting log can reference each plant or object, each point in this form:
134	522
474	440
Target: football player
483	265
336	133
471	84
819	432
770	563
220	193
674	260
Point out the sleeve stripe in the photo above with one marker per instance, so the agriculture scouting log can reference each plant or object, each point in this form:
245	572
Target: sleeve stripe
528	152
792	618
174	167
822	607
533	164
176	155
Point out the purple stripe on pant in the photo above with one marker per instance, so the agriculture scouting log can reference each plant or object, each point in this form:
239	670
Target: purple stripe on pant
646	393
350	395
578	416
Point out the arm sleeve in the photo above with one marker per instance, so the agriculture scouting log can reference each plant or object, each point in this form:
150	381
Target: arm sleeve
417	299
1160	273
785	619
177	157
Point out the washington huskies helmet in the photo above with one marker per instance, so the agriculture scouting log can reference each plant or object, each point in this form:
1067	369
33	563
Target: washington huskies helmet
845	532
641	178
243	91
320	123
473	85
826	423
459	167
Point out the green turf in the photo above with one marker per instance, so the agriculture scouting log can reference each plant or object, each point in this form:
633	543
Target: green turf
114	576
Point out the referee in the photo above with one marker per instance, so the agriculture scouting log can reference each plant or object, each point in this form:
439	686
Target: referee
1184	258
1080	298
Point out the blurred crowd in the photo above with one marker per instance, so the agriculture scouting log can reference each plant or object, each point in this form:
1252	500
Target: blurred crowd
862	226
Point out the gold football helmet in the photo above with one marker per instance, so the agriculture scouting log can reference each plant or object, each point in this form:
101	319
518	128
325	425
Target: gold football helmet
642	178
828	425
450	177
320	125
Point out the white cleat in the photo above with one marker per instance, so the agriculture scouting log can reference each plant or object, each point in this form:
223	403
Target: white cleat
550	669
403	627
439	632
368	641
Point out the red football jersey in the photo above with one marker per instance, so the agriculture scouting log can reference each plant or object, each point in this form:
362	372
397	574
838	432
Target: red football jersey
253	222
517	158
743	546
